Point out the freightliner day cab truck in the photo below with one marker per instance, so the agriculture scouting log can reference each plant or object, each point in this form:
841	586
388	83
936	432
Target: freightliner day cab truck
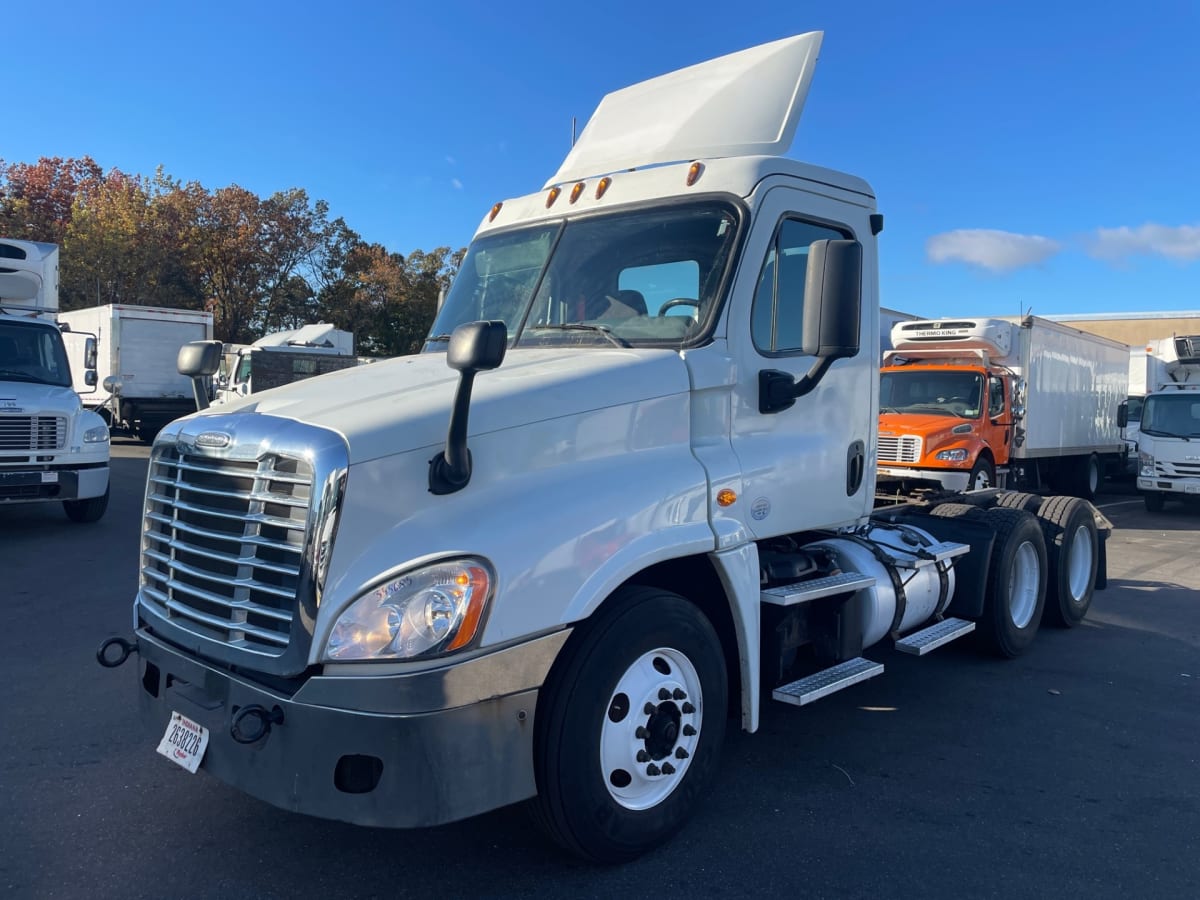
1011	401
51	447
626	496
1169	436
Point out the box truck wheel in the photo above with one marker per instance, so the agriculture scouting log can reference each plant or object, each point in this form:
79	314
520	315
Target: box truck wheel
1073	553
630	726
1089	476
983	475
89	510
1155	501
1016	582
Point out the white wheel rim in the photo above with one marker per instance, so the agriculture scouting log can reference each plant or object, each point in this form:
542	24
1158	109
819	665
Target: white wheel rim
1079	563
980	481
1093	475
1026	573
650	729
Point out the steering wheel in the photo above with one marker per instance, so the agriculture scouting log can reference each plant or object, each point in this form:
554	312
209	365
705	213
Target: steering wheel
679	301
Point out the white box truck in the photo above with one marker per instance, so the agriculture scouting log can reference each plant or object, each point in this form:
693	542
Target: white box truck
625	496
1147	372
1169	431
1015	401
140	389
51	447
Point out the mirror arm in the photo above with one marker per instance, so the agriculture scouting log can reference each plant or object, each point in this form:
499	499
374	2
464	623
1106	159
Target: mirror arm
778	390
450	470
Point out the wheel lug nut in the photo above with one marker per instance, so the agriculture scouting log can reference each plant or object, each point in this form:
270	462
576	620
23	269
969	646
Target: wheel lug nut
649	708
668	769
640	733
679	695
688	708
643	756
689	731
664	694
680	753
652	770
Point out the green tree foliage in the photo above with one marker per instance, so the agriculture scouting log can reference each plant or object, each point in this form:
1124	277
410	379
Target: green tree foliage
259	265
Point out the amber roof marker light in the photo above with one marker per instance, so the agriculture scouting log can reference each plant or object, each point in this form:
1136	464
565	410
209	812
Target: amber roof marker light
495	212
695	170
552	196
576	191
602	186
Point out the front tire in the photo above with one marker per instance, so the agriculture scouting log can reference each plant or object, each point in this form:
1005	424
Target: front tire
983	475
89	510
629	730
1155	501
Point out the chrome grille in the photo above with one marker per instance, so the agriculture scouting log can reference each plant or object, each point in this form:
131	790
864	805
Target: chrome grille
1177	469
903	449
33	433
224	545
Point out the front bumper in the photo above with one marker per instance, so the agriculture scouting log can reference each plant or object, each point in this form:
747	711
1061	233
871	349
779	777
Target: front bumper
24	485
947	479
389	750
1169	485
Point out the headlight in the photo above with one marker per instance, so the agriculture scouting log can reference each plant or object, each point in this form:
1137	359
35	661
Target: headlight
96	435
434	609
953	455
1146	464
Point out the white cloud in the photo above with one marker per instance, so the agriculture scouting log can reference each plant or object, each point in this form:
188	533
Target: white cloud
450	160
1178	242
999	251
456	183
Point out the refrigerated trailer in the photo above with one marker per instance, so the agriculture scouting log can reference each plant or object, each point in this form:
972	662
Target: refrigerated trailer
1016	401
140	389
624	498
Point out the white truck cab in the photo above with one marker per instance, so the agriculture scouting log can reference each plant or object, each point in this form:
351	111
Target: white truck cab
1168	439
626	492
51	447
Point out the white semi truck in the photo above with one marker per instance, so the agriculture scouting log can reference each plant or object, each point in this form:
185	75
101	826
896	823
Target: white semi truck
283	357
140	390
1168	440
624	497
51	447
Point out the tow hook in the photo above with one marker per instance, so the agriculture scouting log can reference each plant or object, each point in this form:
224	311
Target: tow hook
125	648
258	719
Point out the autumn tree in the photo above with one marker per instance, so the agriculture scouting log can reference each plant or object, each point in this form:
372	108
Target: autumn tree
36	199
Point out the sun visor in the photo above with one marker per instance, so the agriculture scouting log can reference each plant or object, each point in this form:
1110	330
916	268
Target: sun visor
742	104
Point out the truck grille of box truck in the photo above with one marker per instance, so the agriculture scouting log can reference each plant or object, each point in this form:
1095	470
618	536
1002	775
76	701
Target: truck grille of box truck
33	433
903	449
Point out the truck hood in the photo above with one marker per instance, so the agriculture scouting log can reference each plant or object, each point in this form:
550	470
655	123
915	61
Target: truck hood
923	424
26	398
403	404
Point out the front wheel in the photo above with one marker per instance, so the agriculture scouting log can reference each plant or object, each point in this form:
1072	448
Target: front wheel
630	728
1154	500
983	475
89	510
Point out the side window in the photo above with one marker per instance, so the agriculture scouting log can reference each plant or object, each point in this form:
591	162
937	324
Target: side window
995	396
777	317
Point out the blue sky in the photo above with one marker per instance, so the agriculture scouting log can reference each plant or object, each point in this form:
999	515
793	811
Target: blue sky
1025	155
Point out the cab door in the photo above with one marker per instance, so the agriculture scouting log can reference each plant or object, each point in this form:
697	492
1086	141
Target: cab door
811	465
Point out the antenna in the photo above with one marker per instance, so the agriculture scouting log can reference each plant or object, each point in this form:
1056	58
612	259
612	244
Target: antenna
572	131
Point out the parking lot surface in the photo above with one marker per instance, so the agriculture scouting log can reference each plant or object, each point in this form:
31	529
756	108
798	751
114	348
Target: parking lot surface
1073	771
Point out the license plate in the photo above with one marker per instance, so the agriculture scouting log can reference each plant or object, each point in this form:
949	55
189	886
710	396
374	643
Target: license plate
49	478
184	742
1191	488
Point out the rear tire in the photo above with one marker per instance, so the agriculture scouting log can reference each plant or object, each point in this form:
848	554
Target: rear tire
1073	554
1016	593
1018	500
629	731
1089	478
1154	500
89	510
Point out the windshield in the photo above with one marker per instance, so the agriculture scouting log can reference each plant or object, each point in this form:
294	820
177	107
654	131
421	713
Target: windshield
34	353
1134	405
929	391
649	277
1172	415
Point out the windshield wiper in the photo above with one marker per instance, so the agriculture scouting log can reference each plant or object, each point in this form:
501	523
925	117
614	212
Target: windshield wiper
1154	432
20	376
613	339
437	339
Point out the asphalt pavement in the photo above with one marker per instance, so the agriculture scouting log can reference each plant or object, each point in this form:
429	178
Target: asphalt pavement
1070	772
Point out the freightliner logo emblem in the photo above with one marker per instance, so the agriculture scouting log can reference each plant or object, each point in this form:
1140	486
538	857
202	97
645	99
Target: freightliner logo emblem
213	440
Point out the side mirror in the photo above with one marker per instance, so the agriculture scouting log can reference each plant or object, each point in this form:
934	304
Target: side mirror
474	347
89	354
832	317
1122	415
112	384
89	377
199	360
